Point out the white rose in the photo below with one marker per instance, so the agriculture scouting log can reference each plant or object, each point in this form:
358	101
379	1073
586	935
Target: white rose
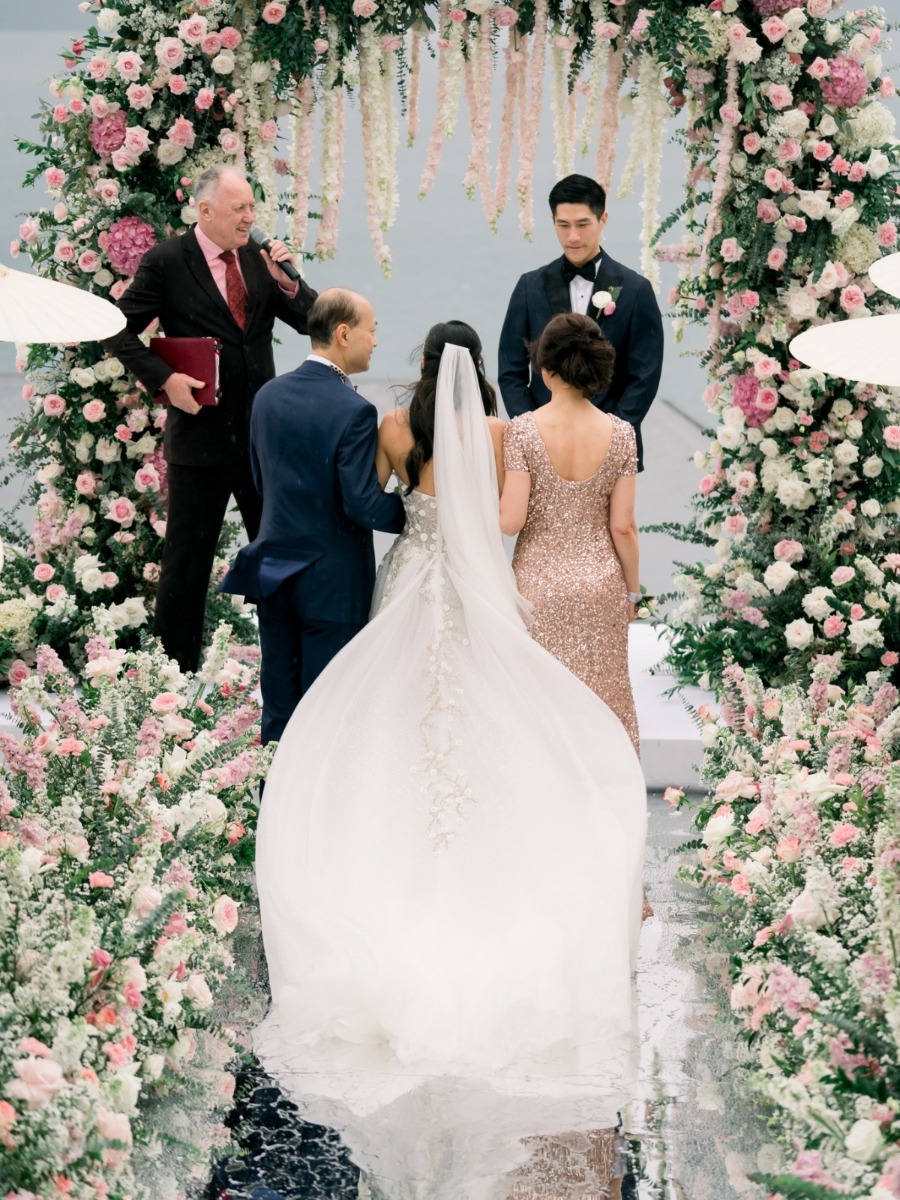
749	51
795	18
104	278
153	1066
874	66
223	64
814	204
801	305
870	508
878	164
783	419
729	437
841	219
854	430
769	447
169	153
865	633
794	122
818	471
108	20
794	493
197	991
135	610
83	376
798	634
92	580
778	576
808	911
872	467
99	370
833	31
718	828
815	603
108	451
83	447
260	72
845	453
827	126
864	1142
841	408
143	446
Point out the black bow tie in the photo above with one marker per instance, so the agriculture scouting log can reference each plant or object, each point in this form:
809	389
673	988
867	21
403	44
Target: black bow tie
587	270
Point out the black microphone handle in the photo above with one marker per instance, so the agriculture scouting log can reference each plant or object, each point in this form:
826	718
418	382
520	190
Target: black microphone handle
265	243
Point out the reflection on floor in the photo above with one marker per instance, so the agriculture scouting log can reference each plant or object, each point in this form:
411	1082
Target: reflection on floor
690	1133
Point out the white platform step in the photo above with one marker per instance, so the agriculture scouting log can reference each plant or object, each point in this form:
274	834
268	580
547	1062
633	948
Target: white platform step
670	739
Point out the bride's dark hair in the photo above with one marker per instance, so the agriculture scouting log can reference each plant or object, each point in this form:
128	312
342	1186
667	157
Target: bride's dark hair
422	393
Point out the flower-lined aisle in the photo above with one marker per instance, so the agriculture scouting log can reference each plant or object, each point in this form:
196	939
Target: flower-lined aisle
801	858
126	822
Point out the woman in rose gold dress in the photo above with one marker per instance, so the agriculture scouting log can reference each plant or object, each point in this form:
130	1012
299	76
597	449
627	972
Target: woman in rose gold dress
569	494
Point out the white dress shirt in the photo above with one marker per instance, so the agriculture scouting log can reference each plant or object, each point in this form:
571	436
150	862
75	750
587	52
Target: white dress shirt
580	292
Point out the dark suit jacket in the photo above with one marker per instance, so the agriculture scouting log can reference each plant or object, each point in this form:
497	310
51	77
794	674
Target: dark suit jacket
175	284
312	450
635	330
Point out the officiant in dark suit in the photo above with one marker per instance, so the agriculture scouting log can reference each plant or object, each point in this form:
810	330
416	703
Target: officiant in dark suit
209	282
586	280
311	570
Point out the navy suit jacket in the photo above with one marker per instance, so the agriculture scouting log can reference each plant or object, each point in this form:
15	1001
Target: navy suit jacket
635	330
312	450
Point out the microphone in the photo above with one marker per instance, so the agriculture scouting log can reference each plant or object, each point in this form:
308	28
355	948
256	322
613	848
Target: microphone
264	241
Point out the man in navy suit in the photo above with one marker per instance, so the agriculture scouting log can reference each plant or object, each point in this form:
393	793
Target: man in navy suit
629	316
311	569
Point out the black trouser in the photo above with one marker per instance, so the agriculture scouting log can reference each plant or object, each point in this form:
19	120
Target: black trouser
295	650
198	501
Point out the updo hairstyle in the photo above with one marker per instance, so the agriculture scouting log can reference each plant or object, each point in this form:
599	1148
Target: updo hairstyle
573	347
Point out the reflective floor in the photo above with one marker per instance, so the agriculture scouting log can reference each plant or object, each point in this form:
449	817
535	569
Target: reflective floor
687	1129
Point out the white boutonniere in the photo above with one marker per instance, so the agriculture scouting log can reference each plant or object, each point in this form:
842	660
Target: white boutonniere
604	303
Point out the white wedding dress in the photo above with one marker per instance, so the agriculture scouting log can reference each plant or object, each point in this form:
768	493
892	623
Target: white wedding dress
450	845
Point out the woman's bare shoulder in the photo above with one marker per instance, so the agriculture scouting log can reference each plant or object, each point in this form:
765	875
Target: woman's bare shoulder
395	423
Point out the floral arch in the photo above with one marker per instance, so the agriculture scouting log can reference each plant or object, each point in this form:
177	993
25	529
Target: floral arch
791	172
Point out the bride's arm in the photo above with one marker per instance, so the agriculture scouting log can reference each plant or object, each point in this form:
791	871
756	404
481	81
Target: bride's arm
496	427
386	431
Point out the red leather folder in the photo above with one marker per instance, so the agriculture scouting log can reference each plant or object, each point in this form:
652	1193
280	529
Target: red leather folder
194	356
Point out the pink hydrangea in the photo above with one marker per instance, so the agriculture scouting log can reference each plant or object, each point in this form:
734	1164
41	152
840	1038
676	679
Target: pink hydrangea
129	240
846	85
744	394
108	133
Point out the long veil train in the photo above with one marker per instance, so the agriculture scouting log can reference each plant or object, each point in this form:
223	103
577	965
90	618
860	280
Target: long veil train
451	839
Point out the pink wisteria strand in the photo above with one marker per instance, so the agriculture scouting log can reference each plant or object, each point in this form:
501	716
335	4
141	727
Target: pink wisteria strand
414	87
436	138
608	119
509	117
530	111
304	135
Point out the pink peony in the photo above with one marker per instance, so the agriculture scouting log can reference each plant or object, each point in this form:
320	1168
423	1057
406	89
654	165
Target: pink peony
231	37
129	240
846	83
887	234
275	11
204	99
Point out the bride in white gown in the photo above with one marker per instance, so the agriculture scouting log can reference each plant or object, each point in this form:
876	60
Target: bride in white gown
451	841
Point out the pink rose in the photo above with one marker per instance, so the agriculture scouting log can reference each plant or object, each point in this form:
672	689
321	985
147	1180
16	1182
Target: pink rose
368	8
730	114
320	45
146	900
166	702
842	575
818	68
853	298
136	140
43	572
64	251
752	143
788	849
268	131
55	592
177	85
37	1081
211	45
89	262
110	579
99	68
767	211
18	672
773	179
192	30
139	95
391	43
818	8
886	89
857	612
181	133
506	17
122	511
834	626
94	410
275	11
776	258
774	28
99	879
114	1127
129	65
887	234
60	114
891	435
54	406
229	141
170	52
843	835
780	96
788	551
731	251
225	915
789	150
737	33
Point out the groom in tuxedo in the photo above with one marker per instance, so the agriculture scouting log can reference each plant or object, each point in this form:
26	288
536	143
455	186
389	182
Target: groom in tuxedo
311	569
585	280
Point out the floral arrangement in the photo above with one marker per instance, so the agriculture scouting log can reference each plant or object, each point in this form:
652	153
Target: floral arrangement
126	815
792	195
799	855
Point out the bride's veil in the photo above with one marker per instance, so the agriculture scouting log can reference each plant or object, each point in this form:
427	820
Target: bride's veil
465	480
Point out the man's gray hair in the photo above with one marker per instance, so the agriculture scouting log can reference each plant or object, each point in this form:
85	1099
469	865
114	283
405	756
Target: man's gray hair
209	181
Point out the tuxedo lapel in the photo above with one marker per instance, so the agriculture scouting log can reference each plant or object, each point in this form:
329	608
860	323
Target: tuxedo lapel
556	288
199	268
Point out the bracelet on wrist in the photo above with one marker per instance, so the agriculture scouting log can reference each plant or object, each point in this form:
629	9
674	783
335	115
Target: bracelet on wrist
634	597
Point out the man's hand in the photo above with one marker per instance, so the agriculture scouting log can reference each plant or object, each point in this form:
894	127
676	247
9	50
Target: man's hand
178	388
278	253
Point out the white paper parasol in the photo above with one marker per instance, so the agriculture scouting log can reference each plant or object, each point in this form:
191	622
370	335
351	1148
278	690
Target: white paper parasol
885	274
863	349
41	310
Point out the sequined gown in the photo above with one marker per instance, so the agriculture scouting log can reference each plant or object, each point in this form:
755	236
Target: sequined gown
567	567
